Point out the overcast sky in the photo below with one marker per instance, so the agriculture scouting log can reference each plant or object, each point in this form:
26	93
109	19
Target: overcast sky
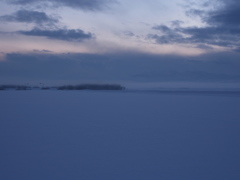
119	40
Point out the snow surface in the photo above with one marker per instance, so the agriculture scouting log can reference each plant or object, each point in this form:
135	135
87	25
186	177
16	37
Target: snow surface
121	135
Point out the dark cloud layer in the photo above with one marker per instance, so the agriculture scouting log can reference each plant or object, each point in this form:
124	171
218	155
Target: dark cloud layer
228	14
60	34
223	28
170	35
225	36
26	16
45	26
120	67
83	4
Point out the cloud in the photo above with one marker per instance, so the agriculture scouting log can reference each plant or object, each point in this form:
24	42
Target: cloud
82	4
77	35
226	14
222	27
163	28
42	51
169	35
128	33
26	16
176	23
225	36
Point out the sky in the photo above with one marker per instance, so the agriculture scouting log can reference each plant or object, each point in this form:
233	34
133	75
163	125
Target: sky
65	41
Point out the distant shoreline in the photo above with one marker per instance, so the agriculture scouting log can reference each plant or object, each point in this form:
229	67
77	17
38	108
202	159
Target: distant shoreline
65	87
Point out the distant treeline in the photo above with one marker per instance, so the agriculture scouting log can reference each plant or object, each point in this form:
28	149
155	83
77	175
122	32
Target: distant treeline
66	87
92	87
16	87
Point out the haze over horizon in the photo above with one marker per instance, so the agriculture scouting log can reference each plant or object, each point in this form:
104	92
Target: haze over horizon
119	41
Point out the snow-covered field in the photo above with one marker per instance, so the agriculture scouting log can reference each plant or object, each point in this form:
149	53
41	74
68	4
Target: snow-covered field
121	135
